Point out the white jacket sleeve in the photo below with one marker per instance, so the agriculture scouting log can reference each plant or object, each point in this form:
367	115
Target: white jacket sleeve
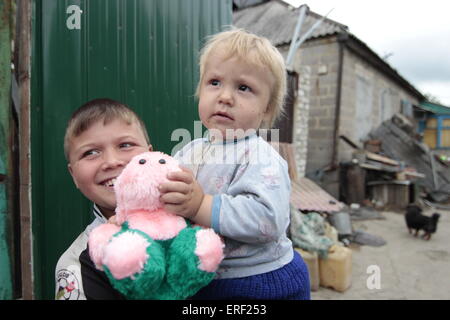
255	208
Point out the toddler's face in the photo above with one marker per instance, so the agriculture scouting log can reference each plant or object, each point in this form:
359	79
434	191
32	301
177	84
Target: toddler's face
233	94
98	155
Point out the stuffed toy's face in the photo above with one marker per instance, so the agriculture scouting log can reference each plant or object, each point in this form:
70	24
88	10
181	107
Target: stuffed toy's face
137	186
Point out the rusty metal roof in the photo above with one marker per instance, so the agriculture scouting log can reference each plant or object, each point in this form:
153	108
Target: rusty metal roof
308	196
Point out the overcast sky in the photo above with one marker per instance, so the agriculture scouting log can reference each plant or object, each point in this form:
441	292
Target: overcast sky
415	33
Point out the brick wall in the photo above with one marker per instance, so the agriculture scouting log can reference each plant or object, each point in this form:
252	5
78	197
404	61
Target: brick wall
301	116
300	136
320	58
385	99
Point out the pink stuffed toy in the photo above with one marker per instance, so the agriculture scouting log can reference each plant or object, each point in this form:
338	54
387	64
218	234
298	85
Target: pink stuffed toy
154	254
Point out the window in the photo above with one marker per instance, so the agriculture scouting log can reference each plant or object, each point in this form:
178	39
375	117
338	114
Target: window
363	107
385	105
407	108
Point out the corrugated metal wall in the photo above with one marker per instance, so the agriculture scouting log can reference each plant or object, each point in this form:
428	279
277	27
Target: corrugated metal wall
141	52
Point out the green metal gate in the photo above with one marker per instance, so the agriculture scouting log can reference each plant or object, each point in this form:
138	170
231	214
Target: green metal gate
141	52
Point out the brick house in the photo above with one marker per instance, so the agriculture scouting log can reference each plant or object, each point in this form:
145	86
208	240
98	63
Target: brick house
344	87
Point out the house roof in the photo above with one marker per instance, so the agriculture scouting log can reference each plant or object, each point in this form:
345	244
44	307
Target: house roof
308	196
434	107
276	20
240	4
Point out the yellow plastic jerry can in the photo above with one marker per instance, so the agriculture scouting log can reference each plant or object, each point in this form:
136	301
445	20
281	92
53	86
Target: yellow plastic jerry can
312	261
336	271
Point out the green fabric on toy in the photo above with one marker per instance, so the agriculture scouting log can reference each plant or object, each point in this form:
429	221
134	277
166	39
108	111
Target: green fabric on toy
153	254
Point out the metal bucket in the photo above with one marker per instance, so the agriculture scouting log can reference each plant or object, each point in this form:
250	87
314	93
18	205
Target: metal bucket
342	222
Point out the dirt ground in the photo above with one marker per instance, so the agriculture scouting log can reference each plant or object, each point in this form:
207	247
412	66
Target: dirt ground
410	268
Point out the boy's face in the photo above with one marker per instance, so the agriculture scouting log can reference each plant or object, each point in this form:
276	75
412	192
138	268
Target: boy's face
233	94
98	155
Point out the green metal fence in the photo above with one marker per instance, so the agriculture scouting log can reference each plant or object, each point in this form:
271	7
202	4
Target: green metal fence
141	52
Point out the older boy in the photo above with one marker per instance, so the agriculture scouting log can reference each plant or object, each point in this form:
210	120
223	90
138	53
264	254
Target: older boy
101	138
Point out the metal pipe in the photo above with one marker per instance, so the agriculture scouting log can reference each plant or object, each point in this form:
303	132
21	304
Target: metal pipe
310	31
342	38
301	16
296	42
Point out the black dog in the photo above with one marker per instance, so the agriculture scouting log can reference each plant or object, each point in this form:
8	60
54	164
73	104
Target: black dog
415	220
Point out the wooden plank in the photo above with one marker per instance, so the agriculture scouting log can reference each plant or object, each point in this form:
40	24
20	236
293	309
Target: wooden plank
377	157
6	246
378	166
349	142
415	174
24	134
371	166
370	155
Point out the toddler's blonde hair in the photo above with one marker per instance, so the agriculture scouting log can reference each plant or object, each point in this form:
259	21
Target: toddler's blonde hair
255	50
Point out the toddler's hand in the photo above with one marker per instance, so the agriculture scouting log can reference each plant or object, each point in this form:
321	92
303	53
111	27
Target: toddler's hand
113	220
182	195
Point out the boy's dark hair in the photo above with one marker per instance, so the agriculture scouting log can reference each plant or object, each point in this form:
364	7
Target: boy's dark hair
96	110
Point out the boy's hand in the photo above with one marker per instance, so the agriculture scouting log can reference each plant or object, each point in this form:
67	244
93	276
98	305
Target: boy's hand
182	195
